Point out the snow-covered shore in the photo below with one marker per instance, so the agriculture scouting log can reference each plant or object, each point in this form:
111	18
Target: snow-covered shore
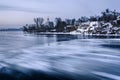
74	33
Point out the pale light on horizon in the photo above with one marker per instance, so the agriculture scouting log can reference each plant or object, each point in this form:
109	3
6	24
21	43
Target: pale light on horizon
22	12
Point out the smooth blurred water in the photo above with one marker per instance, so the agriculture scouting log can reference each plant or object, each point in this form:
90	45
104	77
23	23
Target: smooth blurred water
75	57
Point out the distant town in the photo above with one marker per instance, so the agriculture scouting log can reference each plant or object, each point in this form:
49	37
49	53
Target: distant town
106	23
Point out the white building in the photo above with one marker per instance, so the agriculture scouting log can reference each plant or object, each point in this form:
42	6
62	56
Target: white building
83	27
95	24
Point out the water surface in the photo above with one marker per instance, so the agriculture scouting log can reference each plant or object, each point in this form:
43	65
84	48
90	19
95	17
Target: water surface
58	57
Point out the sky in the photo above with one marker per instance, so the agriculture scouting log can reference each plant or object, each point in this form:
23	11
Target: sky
14	13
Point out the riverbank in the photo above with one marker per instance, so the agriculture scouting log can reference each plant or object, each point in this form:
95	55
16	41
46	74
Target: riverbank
74	33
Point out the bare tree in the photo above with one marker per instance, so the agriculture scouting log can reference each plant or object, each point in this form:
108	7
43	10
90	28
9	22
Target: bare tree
38	21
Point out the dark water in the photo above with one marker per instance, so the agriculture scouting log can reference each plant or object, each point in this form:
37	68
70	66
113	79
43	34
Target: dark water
58	57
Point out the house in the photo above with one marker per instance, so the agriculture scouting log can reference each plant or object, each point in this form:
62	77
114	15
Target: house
70	28
94	24
83	27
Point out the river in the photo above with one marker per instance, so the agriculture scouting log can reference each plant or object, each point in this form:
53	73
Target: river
58	57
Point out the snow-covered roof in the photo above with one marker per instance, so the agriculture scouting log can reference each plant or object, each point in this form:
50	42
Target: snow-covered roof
94	24
85	23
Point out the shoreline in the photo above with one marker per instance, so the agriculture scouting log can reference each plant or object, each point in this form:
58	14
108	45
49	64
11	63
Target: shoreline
62	33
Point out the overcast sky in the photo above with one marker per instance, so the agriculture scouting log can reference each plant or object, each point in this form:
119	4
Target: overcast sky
20	12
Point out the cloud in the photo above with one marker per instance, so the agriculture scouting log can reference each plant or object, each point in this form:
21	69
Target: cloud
23	9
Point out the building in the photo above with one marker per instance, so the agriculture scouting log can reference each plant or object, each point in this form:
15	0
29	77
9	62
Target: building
94	24
83	27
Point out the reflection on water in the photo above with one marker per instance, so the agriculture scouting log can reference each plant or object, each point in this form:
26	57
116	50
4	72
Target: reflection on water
58	57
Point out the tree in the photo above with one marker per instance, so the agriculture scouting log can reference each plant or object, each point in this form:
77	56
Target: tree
73	22
60	25
68	21
107	11
84	19
109	16
39	22
25	29
93	18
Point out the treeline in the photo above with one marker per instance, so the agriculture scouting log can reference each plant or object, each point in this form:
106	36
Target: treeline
68	25
57	26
